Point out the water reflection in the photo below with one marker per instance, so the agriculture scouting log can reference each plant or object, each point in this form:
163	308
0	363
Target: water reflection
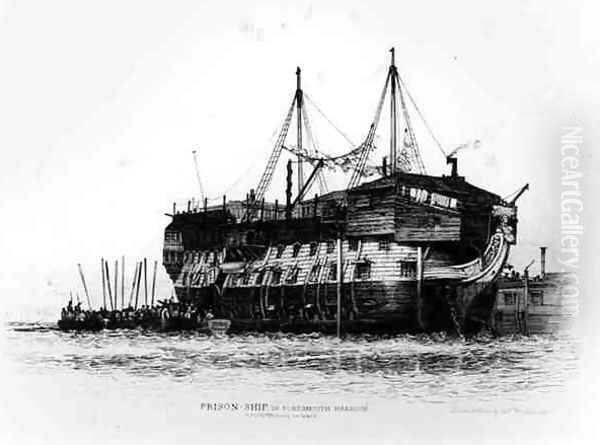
431	368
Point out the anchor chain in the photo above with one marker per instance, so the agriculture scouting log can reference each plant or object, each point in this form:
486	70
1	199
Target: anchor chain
454	319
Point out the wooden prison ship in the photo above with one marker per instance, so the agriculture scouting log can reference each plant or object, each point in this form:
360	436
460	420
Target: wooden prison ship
399	252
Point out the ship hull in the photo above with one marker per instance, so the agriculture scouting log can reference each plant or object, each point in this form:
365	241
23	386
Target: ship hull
366	307
410	253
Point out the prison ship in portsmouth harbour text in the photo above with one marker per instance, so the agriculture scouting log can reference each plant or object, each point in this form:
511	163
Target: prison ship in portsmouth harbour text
400	252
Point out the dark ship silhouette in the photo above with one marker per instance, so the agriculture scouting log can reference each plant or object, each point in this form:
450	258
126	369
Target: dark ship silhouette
406	252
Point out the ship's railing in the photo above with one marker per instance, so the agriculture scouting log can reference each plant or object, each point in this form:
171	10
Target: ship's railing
237	209
262	211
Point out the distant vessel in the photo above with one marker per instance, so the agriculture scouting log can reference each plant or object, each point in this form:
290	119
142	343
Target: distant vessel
405	252
544	304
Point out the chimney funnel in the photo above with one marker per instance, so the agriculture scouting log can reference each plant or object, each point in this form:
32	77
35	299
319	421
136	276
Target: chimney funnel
543	262
454	162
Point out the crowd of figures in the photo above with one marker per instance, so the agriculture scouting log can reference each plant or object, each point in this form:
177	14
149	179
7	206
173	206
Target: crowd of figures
165	315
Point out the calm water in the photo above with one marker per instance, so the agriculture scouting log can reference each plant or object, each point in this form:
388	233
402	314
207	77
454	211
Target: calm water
106	381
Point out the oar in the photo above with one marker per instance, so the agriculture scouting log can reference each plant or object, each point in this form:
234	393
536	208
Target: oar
145	284
116	280
137	289
154	281
133	285
122	282
108	285
103	283
84	286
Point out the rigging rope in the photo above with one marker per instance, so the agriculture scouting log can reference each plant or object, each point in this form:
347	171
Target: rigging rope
367	145
422	117
312	140
414	157
329	120
512	194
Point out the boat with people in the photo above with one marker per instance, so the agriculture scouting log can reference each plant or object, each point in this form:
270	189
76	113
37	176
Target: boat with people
165	316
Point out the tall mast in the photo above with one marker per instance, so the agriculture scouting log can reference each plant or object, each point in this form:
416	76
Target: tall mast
393	118
299	135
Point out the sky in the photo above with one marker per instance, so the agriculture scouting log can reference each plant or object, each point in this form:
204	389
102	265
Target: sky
102	103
